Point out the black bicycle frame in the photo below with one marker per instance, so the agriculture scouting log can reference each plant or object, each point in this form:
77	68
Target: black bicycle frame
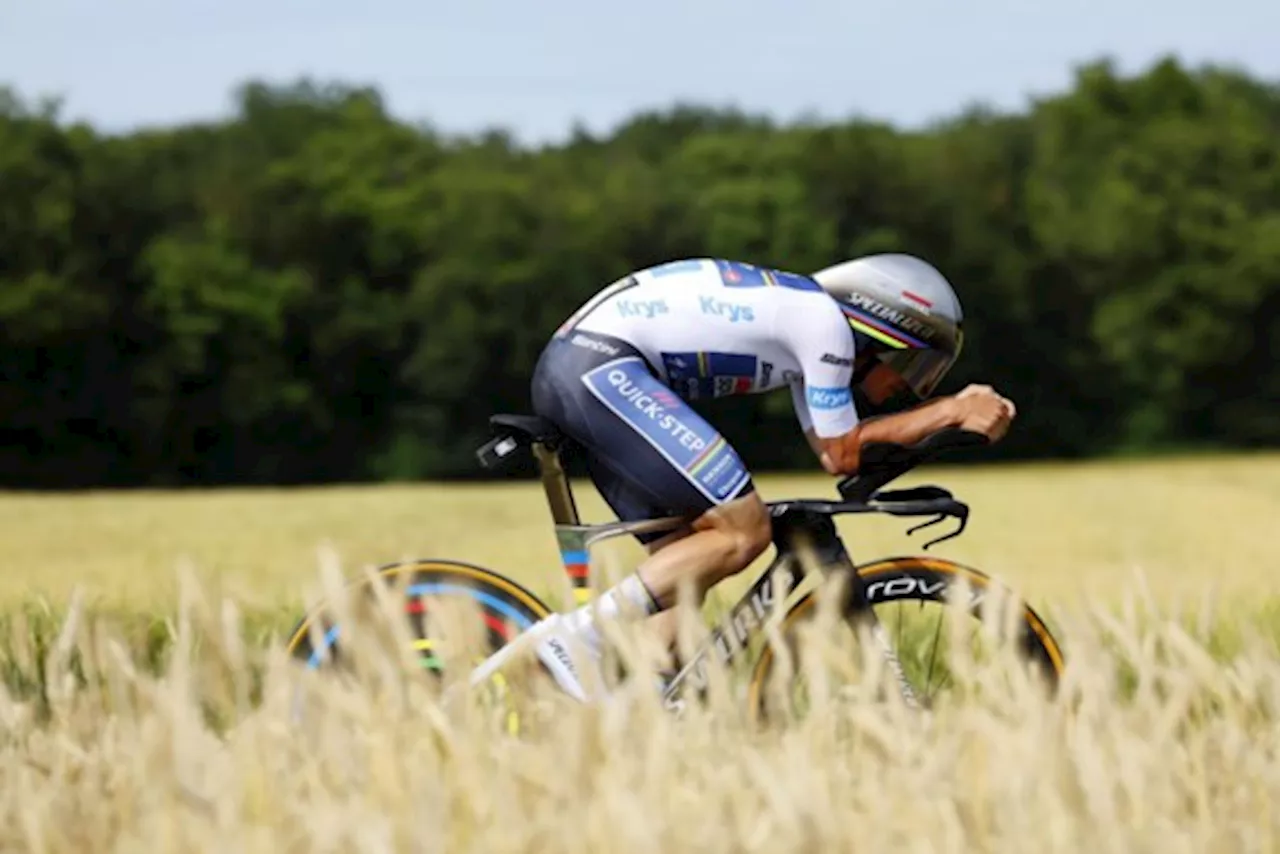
807	523
785	573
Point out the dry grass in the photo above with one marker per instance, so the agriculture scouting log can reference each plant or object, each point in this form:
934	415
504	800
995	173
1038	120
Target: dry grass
1187	762
1161	740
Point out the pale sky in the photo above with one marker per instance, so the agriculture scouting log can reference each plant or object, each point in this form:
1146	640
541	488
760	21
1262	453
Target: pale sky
536	67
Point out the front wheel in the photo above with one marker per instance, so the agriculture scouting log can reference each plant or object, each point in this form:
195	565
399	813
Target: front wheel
889	586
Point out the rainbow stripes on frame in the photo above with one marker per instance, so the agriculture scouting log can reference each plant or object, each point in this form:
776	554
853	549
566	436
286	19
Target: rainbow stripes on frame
577	563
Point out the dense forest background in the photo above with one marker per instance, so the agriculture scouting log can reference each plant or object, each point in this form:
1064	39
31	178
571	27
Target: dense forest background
314	291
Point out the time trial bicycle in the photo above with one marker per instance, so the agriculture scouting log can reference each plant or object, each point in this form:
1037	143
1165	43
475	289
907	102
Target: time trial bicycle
507	607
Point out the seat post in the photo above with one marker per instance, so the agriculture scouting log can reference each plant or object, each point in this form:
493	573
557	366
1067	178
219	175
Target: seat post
564	511
570	539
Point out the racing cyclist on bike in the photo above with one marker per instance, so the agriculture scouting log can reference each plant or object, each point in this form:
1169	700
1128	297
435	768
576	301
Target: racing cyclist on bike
617	375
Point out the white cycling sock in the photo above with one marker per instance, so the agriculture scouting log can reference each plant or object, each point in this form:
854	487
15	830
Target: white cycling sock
629	595
579	627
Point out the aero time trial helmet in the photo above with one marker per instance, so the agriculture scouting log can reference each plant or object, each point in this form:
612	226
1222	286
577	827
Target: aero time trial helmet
903	310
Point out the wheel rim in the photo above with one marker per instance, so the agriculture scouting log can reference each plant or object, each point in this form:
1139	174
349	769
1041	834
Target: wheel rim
504	608
502	620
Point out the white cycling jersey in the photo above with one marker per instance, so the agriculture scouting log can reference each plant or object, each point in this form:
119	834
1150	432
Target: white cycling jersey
714	328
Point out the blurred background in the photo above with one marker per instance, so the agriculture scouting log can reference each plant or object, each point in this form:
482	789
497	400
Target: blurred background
286	242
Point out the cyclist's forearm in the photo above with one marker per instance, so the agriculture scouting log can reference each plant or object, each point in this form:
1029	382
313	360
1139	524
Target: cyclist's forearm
840	456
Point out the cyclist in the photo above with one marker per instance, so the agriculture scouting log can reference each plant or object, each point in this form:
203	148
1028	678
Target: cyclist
617	377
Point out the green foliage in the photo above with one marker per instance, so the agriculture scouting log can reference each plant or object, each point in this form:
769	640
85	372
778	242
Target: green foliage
313	291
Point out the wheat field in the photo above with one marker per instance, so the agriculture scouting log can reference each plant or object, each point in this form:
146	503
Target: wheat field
1159	741
1057	532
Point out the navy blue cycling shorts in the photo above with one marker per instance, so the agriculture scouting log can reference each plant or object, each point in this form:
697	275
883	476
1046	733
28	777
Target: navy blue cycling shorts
648	452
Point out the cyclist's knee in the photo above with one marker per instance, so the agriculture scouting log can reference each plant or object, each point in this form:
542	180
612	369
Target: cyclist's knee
747	523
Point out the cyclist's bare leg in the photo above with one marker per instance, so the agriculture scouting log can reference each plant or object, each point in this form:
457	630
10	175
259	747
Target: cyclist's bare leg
663	626
719	544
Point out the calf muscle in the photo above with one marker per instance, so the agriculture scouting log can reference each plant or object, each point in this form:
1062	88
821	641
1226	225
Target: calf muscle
723	541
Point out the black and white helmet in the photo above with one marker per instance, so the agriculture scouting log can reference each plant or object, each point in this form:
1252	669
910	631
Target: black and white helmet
903	310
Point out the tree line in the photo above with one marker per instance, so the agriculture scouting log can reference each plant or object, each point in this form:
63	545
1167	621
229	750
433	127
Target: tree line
312	290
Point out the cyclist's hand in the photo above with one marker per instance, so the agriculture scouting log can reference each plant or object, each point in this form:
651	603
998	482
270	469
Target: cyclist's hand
972	390
983	410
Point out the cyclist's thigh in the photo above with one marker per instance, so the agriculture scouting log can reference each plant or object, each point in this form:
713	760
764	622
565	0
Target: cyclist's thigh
628	501
650	453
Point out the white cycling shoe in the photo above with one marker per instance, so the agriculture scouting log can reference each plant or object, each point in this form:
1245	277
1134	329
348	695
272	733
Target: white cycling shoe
563	666
566	667
562	653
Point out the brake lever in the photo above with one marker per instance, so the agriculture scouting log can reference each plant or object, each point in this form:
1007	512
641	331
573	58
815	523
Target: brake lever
935	520
962	515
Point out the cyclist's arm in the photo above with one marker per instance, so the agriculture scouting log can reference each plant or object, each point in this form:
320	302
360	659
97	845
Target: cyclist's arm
840	455
823	348
824	403
806	422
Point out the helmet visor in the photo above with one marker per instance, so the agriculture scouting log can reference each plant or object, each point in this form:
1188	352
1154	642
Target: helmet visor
920	369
